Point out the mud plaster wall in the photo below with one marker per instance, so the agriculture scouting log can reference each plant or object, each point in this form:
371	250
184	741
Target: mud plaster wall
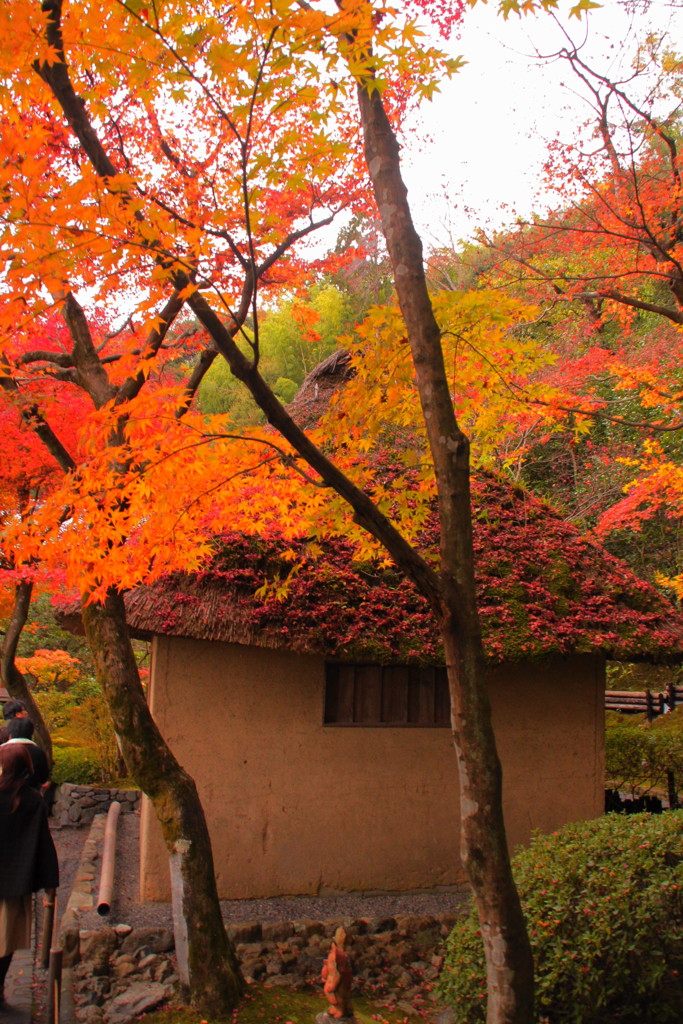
297	807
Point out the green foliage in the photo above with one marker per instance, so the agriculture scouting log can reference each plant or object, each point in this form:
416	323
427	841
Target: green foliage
85	749
78	765
92	719
56	708
220	392
285	389
42	631
602	900
641	755
626	750
277	1005
622	675
666	746
298	336
70	699
293	339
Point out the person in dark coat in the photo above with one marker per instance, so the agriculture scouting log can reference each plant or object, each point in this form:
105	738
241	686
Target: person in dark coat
21	731
28	859
14	709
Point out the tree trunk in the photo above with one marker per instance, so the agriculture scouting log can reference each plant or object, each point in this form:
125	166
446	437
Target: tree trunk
484	845
509	964
212	972
451	593
12	678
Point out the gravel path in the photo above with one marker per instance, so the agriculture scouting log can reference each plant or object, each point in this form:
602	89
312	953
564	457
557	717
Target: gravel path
127	909
69	842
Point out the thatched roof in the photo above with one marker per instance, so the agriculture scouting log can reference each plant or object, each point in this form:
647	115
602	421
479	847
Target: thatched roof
314	394
543	587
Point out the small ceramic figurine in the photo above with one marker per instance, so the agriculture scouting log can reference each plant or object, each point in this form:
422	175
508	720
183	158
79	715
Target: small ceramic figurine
336	977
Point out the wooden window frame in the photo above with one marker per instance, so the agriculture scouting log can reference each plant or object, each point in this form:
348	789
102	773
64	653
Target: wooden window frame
367	695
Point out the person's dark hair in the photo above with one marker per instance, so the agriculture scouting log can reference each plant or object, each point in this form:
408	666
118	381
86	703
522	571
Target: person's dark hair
16	771
20	728
12	708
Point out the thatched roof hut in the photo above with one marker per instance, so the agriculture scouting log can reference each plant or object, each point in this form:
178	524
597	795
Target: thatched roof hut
328	707
544	588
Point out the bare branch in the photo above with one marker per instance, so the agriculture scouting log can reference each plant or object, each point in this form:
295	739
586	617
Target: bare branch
200	369
676	316
34	419
131	387
90	372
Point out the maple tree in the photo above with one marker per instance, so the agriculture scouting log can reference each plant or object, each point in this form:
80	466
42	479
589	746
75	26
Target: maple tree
171	154
606	268
60	225
29	473
58	512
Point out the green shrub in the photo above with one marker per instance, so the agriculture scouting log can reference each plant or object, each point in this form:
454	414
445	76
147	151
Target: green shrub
78	765
93	721
626	753
604	909
56	708
641	755
666	745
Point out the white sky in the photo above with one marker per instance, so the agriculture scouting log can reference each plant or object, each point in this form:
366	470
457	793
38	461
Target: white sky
490	124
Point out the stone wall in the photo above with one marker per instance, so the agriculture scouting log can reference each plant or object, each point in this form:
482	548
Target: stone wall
124	971
78	805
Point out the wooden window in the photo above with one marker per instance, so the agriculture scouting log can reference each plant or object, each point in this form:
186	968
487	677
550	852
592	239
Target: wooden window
395	695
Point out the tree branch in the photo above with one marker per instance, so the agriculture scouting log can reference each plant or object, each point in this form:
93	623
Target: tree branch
37	356
34	419
13	679
86	361
200	369
131	387
56	75
367	515
676	316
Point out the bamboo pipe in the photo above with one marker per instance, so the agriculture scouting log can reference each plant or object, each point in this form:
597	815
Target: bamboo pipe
54	987
49	901
108	860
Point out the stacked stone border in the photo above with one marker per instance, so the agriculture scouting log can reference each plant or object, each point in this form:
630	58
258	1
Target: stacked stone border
126	971
79	805
114	974
81	896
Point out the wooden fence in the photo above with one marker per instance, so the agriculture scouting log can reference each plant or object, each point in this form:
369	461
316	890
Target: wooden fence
644	702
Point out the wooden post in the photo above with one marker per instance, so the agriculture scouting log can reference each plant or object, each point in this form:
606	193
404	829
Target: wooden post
671	696
650	711
54	986
49	901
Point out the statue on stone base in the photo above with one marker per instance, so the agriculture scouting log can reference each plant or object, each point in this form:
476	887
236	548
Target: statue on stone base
336	976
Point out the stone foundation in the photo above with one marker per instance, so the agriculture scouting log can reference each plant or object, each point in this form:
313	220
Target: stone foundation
394	958
78	805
